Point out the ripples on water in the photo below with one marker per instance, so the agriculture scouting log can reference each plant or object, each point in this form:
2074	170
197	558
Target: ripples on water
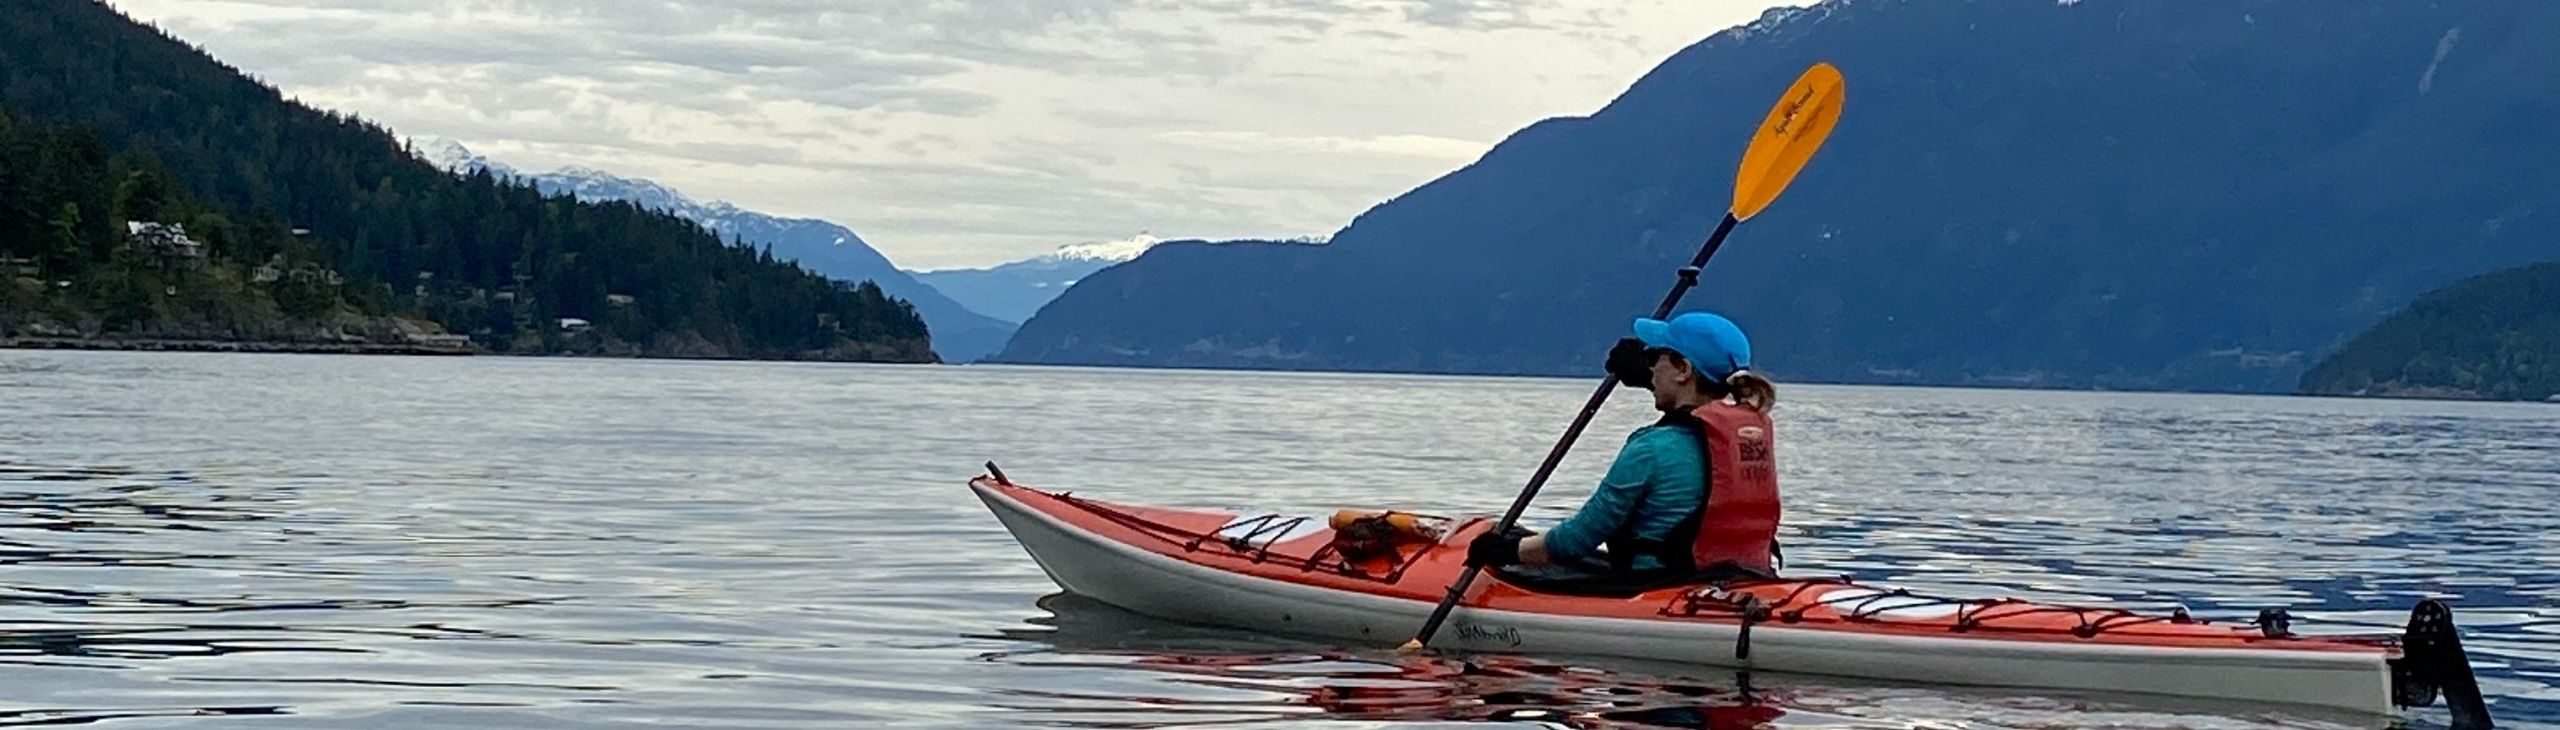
208	540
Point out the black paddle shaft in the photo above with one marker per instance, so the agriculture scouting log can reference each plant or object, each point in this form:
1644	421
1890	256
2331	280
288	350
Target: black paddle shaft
1608	384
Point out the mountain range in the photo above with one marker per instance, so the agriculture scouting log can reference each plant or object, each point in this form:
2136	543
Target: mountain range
960	334
1016	290
2137	194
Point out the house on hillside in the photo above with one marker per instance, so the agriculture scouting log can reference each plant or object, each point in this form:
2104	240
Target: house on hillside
277	269
439	340
166	240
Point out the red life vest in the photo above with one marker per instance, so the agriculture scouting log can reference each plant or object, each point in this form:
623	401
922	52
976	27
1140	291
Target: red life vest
1739	523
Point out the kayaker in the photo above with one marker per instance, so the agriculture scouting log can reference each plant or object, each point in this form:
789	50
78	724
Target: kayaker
1694	495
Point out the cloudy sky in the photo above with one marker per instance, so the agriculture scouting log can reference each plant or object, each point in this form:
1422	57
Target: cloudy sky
970	132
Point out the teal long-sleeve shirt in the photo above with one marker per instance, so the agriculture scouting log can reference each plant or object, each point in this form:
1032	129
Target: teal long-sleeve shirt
1659	478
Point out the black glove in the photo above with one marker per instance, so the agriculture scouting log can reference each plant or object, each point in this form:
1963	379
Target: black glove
1495	549
1632	362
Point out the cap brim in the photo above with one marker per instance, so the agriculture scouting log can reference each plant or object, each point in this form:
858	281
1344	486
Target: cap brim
1653	332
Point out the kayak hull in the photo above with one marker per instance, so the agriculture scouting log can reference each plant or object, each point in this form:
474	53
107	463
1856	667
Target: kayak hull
1085	559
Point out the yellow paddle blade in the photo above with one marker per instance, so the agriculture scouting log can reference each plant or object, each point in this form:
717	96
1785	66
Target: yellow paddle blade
1795	129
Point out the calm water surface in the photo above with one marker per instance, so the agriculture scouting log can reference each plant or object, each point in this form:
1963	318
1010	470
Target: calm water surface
208	541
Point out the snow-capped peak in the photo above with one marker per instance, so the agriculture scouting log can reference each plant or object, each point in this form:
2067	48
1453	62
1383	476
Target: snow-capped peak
586	183
819	245
447	154
592	184
1112	251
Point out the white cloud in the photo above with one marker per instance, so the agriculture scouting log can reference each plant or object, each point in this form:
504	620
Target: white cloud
1393	145
967	133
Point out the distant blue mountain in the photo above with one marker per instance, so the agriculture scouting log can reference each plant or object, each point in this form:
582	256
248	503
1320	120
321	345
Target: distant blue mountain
959	334
2182	194
1016	290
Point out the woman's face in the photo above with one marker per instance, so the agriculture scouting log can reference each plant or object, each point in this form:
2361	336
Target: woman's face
1672	378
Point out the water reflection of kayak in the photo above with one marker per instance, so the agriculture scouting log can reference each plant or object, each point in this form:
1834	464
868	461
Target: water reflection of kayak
1291	575
1220	676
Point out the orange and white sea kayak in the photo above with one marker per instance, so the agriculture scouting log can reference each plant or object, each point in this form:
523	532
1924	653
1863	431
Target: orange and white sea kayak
1291	575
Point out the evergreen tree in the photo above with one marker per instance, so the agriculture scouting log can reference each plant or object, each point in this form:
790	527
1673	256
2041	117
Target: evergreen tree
67	251
141	196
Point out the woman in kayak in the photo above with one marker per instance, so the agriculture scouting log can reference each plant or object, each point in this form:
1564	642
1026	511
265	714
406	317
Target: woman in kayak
1694	495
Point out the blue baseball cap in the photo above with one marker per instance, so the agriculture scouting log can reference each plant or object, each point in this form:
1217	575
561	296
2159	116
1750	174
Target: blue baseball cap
1712	344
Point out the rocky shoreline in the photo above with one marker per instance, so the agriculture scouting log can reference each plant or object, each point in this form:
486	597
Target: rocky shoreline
340	333
145	344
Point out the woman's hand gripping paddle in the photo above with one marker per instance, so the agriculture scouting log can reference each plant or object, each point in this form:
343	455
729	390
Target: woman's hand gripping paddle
1796	128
